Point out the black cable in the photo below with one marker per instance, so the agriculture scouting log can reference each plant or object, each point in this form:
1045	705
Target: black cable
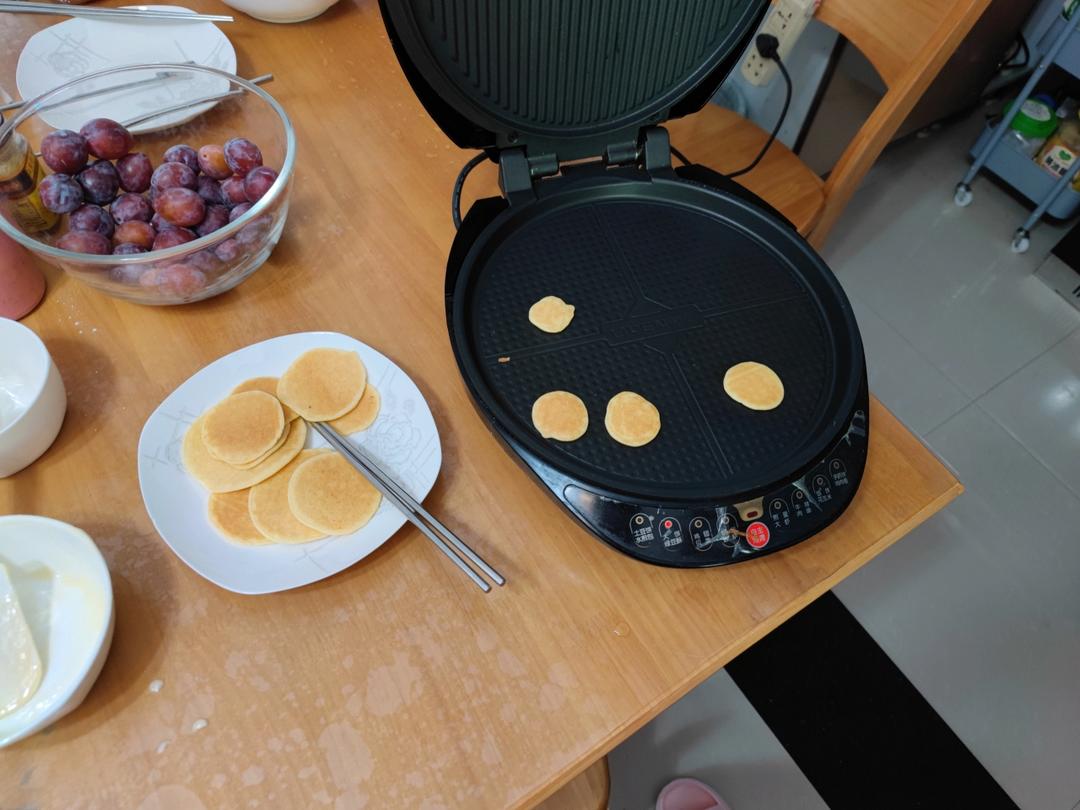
1022	47
459	184
768	46
1014	49
680	156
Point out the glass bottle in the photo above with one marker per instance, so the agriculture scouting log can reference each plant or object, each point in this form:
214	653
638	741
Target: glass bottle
20	173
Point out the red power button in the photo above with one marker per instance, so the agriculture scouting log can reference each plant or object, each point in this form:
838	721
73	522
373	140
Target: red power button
757	535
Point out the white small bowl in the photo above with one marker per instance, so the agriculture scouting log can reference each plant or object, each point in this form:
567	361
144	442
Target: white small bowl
32	397
65	594
281	11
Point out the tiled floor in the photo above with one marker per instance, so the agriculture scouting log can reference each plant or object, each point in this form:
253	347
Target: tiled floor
980	607
714	734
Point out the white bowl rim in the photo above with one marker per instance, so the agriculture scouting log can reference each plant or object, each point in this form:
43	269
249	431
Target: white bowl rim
104	580
29	110
45	364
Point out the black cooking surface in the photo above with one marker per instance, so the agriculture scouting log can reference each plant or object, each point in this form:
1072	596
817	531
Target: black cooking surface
534	72
668	297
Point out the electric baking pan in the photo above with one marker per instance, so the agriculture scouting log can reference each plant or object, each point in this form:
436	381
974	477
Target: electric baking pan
676	275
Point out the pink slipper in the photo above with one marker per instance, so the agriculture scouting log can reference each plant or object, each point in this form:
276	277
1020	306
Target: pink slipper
689	794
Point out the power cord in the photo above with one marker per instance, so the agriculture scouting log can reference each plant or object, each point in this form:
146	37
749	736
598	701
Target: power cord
459	184
1020	46
769	48
680	156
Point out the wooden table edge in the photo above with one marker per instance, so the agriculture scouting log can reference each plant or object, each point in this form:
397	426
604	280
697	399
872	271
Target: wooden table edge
601	749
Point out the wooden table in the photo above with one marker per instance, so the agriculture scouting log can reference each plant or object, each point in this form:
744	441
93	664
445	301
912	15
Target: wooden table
396	683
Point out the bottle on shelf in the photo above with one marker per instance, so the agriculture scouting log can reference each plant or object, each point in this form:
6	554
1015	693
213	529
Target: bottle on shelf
1062	149
1033	124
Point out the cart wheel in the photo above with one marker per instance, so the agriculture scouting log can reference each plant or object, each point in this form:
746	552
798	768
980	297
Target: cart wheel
963	195
1021	241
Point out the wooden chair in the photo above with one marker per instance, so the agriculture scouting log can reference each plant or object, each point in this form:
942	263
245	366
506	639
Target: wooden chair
906	41
589	791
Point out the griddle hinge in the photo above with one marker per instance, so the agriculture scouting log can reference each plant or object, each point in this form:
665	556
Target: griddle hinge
656	149
517	172
652	149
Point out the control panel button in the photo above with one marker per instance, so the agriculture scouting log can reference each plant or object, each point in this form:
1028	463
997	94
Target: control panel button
701	533
800	506
838	473
670	532
757	535
779	514
641	530
751	510
726	527
819	483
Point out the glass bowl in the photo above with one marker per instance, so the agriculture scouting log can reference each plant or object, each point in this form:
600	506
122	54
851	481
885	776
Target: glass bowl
164	105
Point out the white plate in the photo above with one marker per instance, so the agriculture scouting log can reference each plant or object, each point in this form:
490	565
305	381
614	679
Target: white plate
79	46
403	440
65	594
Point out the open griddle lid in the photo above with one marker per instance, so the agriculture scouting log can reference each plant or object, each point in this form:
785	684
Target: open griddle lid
570	79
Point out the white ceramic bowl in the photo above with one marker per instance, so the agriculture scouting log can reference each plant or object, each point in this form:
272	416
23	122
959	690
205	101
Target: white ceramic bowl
64	590
32	397
281	11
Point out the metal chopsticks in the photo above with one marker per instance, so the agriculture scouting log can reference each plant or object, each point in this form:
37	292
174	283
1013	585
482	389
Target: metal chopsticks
157	77
411	508
194	102
98	13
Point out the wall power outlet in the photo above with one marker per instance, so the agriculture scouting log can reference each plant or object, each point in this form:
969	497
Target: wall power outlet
786	21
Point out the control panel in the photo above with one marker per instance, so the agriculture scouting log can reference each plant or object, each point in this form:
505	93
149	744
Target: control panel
717	534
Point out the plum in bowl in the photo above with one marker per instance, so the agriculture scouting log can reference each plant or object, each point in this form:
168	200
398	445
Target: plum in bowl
159	216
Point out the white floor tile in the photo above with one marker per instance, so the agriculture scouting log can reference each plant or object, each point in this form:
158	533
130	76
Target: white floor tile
1040	407
875	227
978	314
906	382
980	608
715	735
944	277
880	223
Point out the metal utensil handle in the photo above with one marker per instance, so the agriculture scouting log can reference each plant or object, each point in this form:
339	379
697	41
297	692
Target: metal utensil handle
59	10
457	542
344	448
161	75
195	102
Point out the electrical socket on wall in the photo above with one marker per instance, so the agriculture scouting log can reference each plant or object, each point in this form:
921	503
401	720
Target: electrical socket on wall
786	21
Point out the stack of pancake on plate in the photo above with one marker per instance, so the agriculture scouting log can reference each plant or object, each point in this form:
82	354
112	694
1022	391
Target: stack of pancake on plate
248	451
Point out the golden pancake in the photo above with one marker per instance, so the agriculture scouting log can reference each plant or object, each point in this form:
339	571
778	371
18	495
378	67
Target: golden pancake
269	385
551	314
323	384
228	513
560	415
327	494
268	453
217	476
631	419
362	416
754	385
268	504
242	427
